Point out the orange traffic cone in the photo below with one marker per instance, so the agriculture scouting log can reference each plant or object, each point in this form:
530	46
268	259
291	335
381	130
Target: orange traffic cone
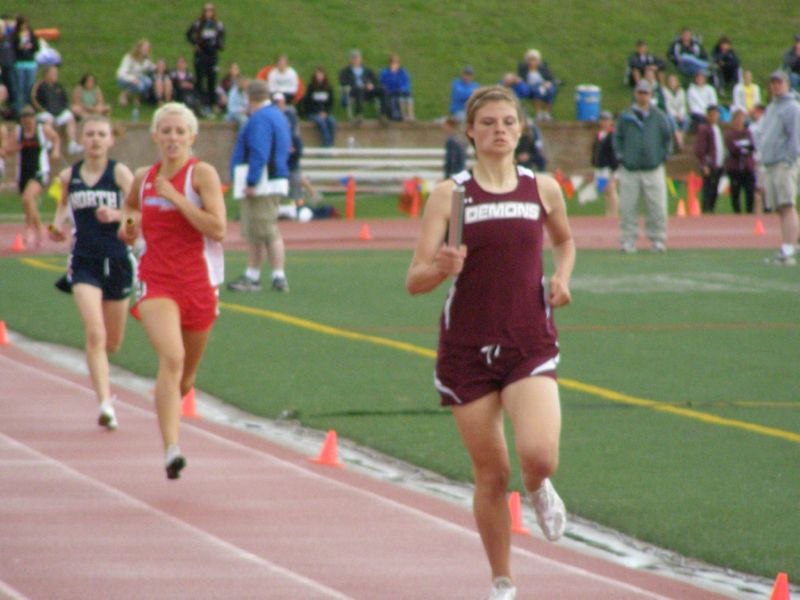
781	589
364	235
189	406
18	245
694	207
681	211
759	227
515	506
3	334
328	454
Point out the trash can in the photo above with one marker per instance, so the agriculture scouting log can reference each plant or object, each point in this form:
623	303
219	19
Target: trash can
587	102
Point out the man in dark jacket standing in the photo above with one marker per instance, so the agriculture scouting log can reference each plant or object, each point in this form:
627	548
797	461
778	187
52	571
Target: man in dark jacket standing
642	141
207	35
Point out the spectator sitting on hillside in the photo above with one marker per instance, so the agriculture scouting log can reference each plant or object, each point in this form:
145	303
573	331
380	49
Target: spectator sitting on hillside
791	63
699	97
528	152
687	53
184	88
227	82
5	112
360	85
726	65
675	106
460	91
134	74
7	57
236	108
746	94
162	83
455	147
87	98
515	83
396	82
542	84
317	105
52	104
657	96
638	61
26	45
283	79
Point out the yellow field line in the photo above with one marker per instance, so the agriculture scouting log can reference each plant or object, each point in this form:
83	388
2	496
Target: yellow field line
677	410
427	353
335	331
568	383
41	264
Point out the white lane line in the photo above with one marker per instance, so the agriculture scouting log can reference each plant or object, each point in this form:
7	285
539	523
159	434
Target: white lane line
212	539
308	472
10	593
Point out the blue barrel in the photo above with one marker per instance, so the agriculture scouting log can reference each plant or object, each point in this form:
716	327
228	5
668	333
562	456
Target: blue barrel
587	103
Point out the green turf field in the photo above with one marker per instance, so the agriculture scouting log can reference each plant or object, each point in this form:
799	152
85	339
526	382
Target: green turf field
679	382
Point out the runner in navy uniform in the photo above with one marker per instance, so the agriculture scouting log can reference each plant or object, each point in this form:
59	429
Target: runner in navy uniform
32	142
101	267
498	346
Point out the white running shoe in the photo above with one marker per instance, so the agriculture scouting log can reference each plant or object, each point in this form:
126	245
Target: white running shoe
550	511
779	258
502	589
107	417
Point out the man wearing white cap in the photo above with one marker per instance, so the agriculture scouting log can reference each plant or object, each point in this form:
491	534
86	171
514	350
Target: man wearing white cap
779	149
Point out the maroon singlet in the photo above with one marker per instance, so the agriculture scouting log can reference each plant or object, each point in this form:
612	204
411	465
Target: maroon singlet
500	296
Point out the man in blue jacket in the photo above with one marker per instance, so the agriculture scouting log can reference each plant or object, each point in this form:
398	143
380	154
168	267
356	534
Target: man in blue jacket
460	91
262	148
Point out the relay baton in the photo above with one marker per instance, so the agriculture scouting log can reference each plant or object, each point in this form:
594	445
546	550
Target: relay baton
456	217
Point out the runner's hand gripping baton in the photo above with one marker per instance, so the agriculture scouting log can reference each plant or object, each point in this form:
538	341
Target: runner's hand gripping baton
456	217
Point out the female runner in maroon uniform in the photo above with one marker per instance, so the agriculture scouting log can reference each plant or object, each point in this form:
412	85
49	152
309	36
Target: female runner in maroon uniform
498	348
178	206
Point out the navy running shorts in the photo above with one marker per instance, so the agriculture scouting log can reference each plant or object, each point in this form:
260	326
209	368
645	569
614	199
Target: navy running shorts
112	275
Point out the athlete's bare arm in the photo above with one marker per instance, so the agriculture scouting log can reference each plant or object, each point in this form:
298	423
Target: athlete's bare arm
560	235
131	212
123	178
209	220
56	230
55	141
433	261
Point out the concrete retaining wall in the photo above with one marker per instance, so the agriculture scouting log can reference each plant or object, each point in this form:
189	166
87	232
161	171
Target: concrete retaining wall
567	145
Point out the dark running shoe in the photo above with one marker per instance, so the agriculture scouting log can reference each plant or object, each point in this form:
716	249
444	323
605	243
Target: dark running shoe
245	284
280	284
63	284
175	466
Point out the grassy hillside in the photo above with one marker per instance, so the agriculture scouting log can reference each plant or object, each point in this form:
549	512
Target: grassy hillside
583	41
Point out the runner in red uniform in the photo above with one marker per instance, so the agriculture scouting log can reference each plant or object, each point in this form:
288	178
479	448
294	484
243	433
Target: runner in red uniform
498	347
177	205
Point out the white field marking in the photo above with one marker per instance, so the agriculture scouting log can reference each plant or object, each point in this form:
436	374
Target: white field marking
9	592
308	472
678	283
